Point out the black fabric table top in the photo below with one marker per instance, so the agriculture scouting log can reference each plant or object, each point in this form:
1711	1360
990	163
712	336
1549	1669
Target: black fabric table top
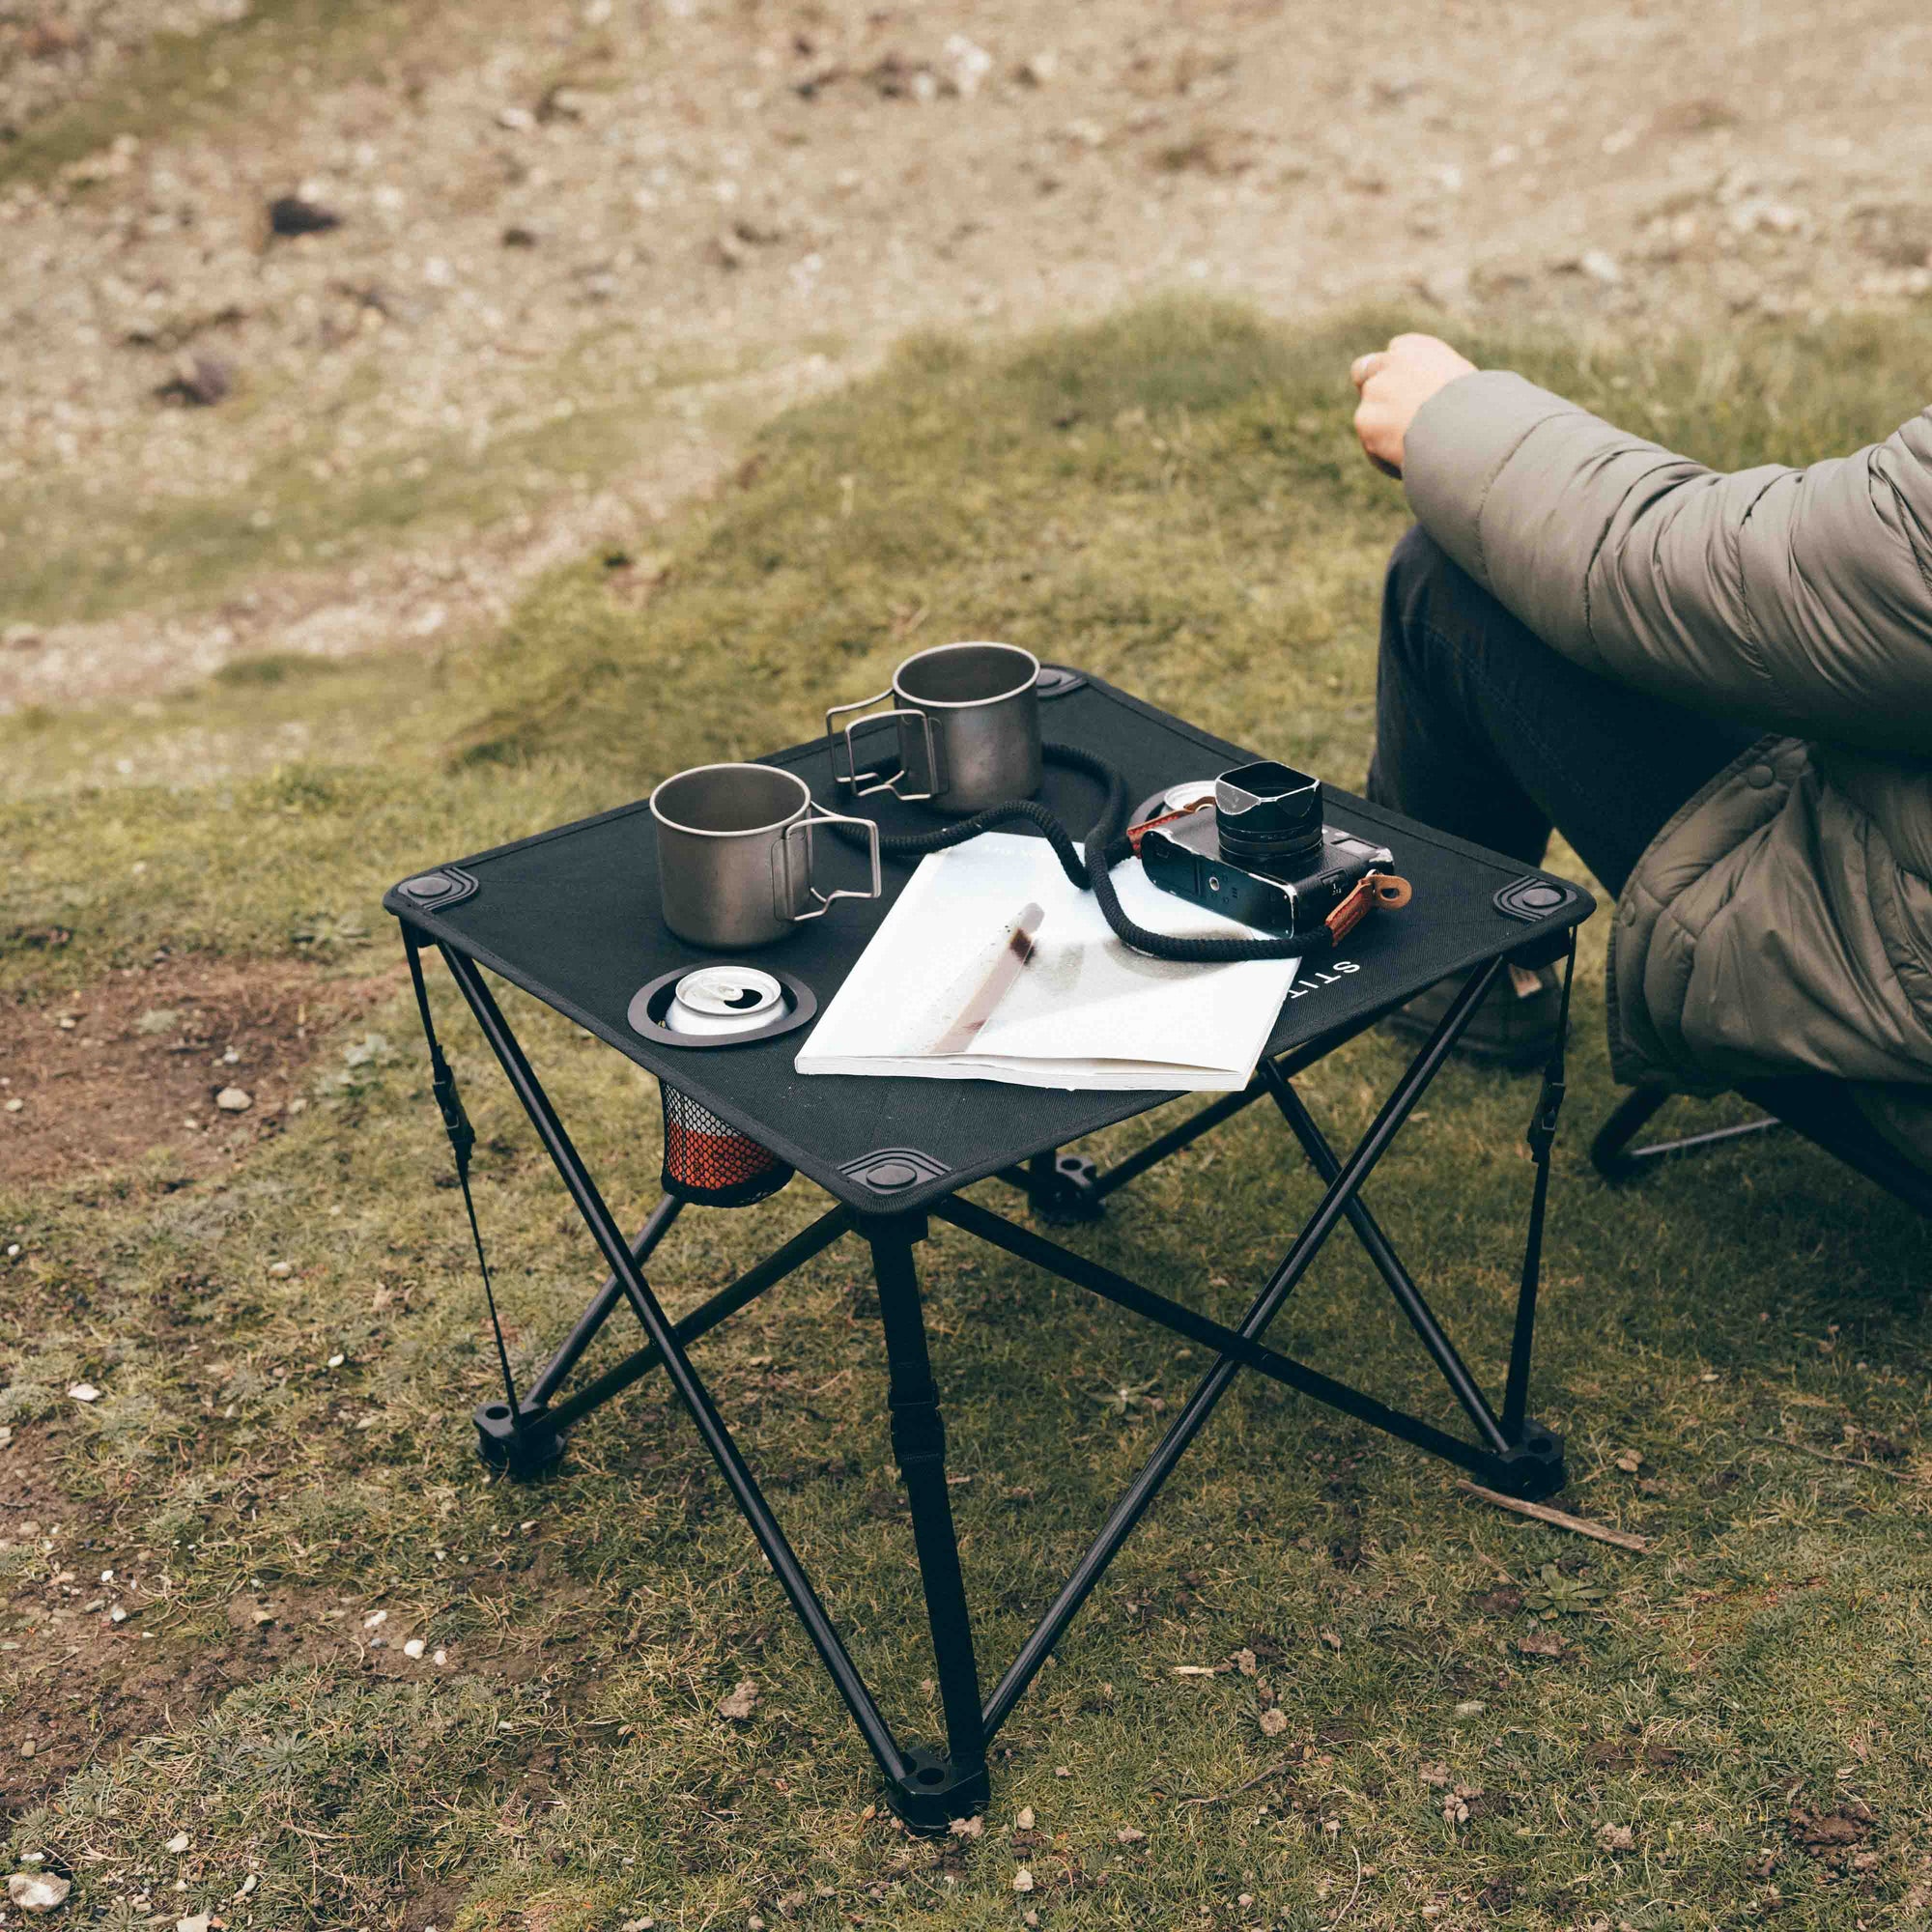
571	915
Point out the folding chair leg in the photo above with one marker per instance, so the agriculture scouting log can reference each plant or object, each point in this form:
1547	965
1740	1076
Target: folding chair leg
1609	1153
1615	1159
932	1789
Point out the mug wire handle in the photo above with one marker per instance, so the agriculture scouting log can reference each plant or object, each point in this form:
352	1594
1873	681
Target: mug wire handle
826	816
851	775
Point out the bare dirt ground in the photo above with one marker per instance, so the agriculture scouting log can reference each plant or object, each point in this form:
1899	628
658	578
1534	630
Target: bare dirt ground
200	1057
574	253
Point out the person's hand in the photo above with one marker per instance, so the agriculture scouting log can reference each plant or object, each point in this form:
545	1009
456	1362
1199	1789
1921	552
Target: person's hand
1394	383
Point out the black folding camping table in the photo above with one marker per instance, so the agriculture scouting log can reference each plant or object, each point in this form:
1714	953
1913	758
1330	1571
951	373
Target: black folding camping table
571	915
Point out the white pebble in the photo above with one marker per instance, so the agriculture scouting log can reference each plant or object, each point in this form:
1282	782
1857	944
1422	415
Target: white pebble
414	1648
233	1101
33	1891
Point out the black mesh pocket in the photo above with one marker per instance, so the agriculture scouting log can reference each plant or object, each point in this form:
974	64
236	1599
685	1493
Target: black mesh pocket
709	1161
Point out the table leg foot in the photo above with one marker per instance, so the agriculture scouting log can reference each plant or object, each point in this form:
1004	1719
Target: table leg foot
931	1792
1531	1470
523	1446
1062	1189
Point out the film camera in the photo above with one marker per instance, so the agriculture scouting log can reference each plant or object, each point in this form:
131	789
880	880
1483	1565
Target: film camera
1254	847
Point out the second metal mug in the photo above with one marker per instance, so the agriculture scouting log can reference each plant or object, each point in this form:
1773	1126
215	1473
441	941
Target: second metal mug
736	854
968	727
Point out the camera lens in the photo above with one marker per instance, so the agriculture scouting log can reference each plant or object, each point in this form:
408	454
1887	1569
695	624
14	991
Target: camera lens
1268	818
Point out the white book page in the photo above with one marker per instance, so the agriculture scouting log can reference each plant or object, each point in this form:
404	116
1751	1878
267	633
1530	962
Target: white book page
1084	1012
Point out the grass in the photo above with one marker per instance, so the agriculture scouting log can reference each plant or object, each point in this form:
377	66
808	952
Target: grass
1170	498
217	76
308	501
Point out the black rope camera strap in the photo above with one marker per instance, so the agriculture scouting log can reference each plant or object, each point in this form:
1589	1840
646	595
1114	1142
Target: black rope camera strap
1109	840
461	1139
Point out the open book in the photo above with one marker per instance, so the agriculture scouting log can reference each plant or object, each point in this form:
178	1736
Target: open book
992	965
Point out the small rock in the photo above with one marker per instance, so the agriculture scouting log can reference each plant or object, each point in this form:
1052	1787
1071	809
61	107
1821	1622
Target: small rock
1024	1821
282	1271
966	65
29	1747
118	1614
1023	1880
440	1659
84	1392
14	1106
197	1921
292	215
967	1827
375	1620
414	1647
38	1891
1601	268
235	1099
741	1702
180	1842
516	236
199	382
519	120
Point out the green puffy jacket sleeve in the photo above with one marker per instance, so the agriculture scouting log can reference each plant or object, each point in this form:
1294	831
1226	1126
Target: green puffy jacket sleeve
1800	599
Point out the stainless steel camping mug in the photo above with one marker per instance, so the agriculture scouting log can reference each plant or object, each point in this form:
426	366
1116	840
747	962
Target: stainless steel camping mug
736	854
967	717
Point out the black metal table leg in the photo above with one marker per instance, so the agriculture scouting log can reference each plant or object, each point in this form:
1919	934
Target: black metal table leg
933	1789
697	1398
1323	1158
528	1442
1145	1487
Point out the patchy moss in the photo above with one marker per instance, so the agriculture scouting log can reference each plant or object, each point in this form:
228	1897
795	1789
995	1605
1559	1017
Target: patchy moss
1170	498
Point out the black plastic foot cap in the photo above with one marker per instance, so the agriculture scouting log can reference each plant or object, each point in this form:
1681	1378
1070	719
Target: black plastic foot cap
521	1445
930	1792
1068	1196
1533	1469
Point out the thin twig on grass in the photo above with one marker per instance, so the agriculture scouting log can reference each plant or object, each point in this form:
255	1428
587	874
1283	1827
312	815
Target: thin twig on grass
1280	1769
1559	1518
1350	1904
1826	1456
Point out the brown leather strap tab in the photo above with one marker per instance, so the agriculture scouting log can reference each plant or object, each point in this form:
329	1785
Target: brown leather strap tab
1136	832
1375	889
